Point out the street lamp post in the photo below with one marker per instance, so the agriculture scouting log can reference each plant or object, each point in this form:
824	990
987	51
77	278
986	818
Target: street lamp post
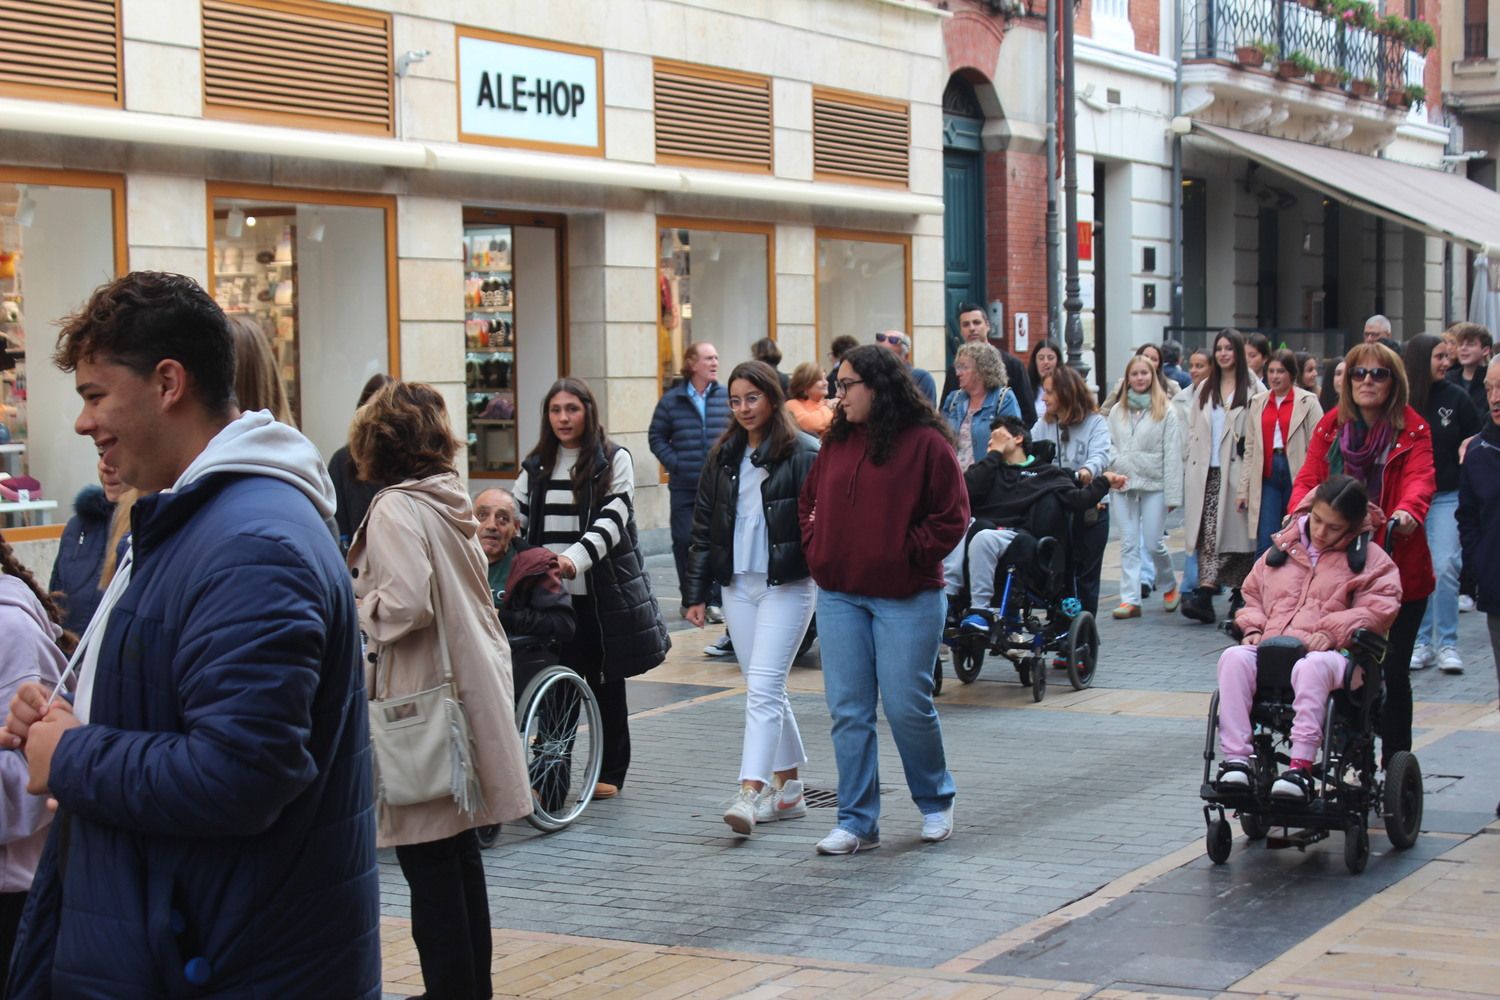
1072	292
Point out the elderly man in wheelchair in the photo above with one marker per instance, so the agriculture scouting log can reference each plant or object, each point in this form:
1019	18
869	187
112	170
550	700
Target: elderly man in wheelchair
1017	545
1307	675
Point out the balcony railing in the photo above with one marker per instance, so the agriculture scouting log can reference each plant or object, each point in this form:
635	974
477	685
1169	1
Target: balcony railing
1218	29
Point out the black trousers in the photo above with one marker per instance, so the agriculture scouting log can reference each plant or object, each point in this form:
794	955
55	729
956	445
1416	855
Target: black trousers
585	654
1395	717
11	905
1090	543
450	916
682	532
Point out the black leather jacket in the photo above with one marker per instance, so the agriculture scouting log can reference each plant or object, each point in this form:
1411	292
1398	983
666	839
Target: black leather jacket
711	548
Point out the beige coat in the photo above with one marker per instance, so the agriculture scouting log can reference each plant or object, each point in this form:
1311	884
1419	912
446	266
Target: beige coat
419	534
1306	412
1234	525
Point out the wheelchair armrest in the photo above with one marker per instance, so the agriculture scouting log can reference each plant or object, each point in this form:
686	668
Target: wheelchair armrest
1371	644
528	643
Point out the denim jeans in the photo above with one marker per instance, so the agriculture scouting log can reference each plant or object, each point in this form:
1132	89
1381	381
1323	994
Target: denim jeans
883	648
1275	494
1439	628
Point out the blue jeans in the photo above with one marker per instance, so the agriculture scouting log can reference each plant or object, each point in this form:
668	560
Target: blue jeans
1439	628
883	648
1275	494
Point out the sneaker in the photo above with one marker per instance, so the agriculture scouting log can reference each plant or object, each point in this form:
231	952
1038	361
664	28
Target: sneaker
1145	591
1421	656
1465	603
1293	786
1234	775
785	802
713	614
741	812
1127	611
841	841
937	827
1449	662
1171	599
979	620
724	647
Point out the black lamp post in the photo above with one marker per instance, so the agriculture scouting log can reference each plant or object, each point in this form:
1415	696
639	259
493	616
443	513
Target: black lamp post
1072	293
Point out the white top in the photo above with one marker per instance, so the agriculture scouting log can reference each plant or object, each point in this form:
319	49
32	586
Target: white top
752	547
1276	402
1215	431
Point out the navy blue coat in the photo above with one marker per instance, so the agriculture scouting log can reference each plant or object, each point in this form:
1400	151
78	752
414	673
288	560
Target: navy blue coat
224	783
80	558
1479	515
681	440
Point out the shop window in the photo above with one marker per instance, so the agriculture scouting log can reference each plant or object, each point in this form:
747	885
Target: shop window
61	51
712	117
60	238
512	327
864	286
315	278
859	138
714	285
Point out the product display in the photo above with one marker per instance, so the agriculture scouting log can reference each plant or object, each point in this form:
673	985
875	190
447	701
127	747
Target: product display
255	274
12	354
490	351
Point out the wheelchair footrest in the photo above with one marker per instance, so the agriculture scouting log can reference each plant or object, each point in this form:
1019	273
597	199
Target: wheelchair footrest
1300	839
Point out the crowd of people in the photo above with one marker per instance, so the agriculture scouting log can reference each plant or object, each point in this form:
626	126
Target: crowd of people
251	669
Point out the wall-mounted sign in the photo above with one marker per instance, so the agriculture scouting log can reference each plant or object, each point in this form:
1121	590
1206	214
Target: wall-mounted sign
529	93
1085	240
1021	341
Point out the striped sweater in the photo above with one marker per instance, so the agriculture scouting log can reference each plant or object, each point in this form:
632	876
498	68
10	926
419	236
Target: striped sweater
562	528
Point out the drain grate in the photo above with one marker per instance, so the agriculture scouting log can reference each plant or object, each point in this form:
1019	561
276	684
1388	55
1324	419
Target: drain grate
821	798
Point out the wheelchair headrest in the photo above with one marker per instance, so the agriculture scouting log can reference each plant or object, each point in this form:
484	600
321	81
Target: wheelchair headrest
1044	452
1359	552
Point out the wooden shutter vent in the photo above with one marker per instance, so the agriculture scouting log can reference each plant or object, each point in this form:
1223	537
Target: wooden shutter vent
712	118
293	63
61	50
860	138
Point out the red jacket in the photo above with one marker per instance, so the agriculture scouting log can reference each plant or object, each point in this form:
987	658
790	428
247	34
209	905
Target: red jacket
883	530
1408	484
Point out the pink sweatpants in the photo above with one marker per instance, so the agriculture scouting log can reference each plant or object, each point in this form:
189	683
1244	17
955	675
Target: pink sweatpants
1314	677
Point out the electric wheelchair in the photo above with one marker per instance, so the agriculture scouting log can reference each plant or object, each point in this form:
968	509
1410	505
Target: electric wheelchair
1346	781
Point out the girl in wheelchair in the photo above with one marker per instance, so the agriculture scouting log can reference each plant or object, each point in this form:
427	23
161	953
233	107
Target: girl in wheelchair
1305	587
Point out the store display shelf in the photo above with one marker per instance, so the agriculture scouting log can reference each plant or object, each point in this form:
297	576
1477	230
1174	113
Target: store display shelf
13	448
485	391
499	311
507	351
489	270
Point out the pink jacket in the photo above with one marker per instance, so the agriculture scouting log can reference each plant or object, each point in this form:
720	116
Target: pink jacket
1299	599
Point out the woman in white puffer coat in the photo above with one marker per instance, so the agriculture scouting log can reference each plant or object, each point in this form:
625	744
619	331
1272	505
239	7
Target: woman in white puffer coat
1147	437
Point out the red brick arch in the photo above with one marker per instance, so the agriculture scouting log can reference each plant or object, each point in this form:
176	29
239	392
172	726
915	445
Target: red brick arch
973	42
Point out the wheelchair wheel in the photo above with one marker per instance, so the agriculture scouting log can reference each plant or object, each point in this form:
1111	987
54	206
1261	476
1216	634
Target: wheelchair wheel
1356	847
966	663
1403	800
560	732
937	676
1038	678
1081	651
1255	827
1220	840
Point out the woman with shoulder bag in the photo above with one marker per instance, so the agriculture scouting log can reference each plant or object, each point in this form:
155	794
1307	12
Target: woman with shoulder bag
1278	427
982	397
420	577
746	538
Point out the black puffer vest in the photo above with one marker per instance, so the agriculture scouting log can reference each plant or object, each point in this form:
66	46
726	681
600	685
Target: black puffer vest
711	550
635	636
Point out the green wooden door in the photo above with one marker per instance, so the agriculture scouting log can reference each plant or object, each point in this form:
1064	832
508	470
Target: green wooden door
963	205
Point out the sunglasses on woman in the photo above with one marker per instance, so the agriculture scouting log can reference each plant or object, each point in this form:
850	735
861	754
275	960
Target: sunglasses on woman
1362	373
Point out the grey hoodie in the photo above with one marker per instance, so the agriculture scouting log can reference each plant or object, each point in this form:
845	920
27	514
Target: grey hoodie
258	445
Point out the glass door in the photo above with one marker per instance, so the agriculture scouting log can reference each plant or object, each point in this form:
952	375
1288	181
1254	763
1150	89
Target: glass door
490	349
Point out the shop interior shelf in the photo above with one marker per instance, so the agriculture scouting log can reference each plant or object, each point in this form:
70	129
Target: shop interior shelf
13	448
489	270
506	311
485	392
506	351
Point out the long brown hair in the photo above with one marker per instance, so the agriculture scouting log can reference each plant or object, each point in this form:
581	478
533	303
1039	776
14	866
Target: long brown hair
257	384
1395	404
1070	400
593	440
11	566
1242	374
781	432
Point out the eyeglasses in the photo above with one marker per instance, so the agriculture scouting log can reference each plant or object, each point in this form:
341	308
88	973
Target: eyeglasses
845	383
747	400
1377	374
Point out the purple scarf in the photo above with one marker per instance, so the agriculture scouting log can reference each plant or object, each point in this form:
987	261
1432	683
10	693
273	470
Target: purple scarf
1363	450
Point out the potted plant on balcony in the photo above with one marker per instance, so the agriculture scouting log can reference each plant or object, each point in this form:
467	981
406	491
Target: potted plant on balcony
1415	94
1254	55
1396	97
1419	35
1364	87
1296	66
1327	76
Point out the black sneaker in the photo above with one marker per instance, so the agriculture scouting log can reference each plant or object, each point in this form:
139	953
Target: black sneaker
723	647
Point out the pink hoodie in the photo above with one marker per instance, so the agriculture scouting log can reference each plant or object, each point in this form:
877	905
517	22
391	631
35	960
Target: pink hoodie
28	653
1299	599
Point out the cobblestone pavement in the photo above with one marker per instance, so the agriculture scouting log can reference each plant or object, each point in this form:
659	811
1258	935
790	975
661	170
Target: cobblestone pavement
1076	867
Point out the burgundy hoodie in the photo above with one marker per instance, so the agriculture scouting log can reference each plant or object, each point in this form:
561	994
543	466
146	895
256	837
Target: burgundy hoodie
883	530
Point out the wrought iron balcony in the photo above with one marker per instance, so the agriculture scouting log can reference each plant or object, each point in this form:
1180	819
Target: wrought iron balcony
1284	29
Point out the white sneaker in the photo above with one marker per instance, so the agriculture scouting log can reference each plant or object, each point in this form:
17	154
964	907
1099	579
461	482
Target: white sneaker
841	841
1421	656
1465	602
741	812
1449	662
937	827
785	802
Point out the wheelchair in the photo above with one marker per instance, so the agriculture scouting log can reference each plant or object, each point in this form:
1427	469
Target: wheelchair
1347	785
1040	623
560	727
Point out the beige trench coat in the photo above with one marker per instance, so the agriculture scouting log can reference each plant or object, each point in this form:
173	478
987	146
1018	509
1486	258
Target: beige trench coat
1306	412
419	534
1234	524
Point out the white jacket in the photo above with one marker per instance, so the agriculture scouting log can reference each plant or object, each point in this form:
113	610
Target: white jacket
1148	452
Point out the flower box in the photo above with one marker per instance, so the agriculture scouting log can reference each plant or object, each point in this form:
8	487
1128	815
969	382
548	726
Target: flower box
1326	78
1362	89
1249	56
1289	70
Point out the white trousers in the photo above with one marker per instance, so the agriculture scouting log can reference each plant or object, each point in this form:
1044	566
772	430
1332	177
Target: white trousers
1140	515
768	624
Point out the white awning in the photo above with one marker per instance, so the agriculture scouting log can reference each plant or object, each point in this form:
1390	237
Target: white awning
1434	201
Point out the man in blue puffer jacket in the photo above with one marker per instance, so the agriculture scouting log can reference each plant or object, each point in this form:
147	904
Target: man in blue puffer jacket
688	420
215	832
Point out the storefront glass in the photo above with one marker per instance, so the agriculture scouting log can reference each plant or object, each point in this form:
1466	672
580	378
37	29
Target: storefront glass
314	277
863	287
713	285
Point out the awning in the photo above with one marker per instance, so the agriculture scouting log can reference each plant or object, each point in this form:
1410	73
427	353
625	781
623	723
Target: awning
1434	201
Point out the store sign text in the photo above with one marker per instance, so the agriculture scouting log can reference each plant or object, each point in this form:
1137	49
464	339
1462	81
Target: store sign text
528	94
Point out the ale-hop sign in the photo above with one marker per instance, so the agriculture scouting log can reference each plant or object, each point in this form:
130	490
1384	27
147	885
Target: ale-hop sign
529	93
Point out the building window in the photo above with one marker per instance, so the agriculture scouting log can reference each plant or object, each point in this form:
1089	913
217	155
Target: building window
714	284
1112	25
864	286
314	271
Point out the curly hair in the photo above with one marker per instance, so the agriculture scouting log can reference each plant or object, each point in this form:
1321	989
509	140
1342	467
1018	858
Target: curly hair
257	385
986	361
896	405
147	317
1375	355
402	433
